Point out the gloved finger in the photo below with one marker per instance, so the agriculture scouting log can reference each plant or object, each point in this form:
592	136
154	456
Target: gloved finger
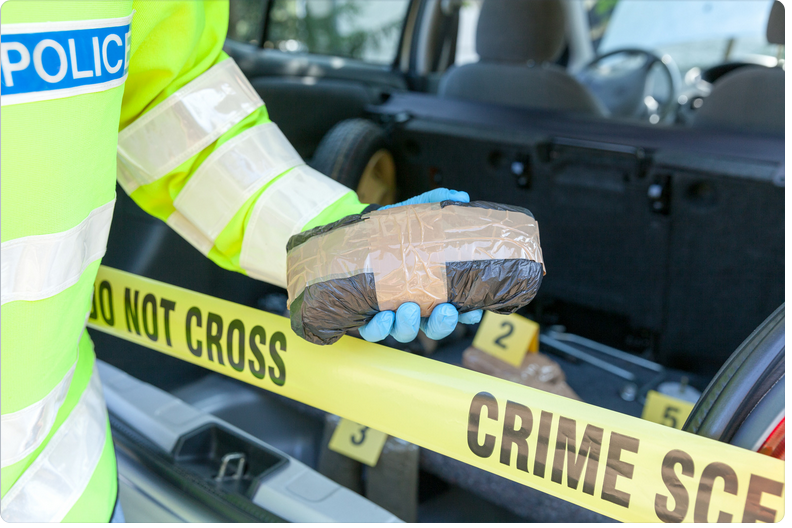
408	317
435	195
441	322
378	328
471	317
439	195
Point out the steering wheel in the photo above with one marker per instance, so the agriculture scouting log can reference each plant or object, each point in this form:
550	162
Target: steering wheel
622	79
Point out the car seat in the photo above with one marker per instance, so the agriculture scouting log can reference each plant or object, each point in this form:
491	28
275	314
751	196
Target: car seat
750	98
517	41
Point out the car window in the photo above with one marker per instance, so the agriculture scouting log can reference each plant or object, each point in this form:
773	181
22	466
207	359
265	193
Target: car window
356	29
246	20
466	35
694	33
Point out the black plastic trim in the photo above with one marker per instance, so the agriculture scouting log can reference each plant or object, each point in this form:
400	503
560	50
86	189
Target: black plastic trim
234	507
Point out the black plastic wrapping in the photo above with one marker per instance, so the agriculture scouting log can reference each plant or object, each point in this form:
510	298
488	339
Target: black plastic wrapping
322	311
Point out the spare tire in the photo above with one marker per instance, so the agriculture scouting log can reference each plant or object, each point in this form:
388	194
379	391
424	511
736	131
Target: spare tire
355	154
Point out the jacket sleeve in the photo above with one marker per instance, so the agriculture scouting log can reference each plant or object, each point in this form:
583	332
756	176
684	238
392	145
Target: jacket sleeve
197	149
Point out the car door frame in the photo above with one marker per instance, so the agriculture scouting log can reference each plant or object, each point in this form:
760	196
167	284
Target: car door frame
307	93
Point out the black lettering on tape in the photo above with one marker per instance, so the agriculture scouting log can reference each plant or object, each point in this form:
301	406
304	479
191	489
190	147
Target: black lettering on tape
277	338
616	467
516	435
131	309
258	371
193	313
482	399
704	495
754	511
214	332
587	455
167	307
236	326
675	486
106	291
545	422
153	333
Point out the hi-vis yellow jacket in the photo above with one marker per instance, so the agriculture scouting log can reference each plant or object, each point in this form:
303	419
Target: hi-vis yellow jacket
141	92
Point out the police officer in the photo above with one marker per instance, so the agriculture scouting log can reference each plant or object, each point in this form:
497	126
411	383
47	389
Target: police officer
196	149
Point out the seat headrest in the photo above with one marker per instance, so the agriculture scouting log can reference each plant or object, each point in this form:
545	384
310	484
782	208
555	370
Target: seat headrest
775	24
520	30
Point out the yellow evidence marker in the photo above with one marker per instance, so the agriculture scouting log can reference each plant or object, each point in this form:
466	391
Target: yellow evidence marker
667	410
507	337
357	442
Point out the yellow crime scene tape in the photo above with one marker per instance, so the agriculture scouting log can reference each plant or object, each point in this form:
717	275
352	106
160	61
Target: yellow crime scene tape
620	466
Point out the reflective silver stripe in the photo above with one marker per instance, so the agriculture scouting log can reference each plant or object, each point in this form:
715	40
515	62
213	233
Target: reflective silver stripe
125	178
281	211
65	25
21	432
40	266
184	124
189	232
54	482
232	174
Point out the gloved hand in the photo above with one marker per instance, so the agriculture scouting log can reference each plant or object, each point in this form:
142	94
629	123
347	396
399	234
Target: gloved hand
404	324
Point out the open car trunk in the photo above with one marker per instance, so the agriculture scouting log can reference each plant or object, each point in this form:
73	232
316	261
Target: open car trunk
661	239
648	249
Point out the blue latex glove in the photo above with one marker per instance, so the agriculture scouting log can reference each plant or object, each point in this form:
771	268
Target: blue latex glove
404	324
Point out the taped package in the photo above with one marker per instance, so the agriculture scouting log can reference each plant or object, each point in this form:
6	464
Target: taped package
537	371
477	255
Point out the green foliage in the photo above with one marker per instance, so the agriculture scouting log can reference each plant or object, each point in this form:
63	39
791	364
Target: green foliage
245	19
604	8
317	26
599	16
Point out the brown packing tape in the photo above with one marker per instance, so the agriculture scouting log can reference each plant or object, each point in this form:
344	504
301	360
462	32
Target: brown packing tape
406	255
337	254
406	249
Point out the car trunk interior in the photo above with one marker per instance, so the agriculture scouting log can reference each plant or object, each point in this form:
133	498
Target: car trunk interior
664	242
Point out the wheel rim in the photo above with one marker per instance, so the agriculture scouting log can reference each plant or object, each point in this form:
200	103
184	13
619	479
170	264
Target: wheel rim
378	182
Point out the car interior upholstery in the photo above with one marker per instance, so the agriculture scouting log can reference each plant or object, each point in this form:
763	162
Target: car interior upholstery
750	98
517	42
